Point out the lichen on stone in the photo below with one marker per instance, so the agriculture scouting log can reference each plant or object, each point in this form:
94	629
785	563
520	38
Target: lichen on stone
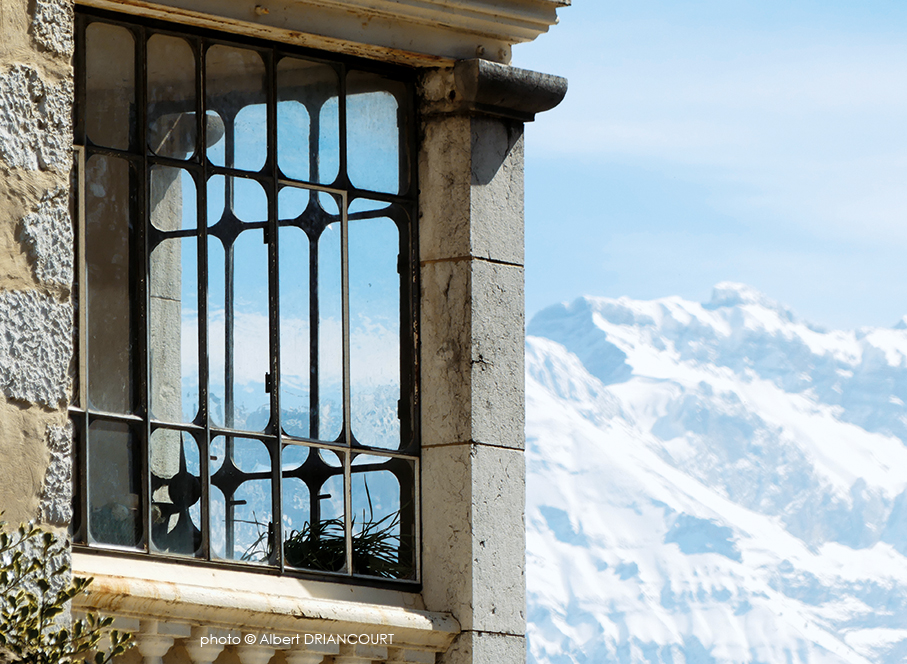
48	233
36	346
35	119
56	496
52	24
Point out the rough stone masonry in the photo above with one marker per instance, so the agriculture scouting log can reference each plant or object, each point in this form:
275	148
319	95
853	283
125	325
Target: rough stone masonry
36	258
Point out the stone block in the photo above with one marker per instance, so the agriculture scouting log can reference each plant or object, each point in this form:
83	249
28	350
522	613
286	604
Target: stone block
496	194
444	184
480	648
472	354
474	543
37	347
498	355
446	352
471	189
56	500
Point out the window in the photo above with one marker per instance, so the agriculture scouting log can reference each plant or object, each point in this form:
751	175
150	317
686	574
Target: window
245	389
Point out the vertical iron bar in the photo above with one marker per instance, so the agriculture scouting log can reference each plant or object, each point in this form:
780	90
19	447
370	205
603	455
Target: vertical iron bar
143	207
201	230
347	433
229	506
81	431
274	313
314	396
345	285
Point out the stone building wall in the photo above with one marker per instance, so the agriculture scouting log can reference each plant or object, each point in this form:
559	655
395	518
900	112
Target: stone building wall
36	259
471	606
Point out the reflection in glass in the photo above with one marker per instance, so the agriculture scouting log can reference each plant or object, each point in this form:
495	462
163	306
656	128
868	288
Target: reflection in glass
114	485
111	292
294	331
171	97
239	334
242	198
313	509
110	83
383	494
330	336
308	132
374	332
240	499
173	323
175	492
236	92
173	203
374	134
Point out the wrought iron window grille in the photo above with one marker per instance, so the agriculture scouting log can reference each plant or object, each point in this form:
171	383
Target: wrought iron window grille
245	381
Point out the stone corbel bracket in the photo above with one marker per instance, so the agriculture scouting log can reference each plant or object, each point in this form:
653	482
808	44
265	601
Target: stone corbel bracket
489	88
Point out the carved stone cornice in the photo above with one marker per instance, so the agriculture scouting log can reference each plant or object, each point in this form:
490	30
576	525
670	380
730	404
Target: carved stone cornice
418	32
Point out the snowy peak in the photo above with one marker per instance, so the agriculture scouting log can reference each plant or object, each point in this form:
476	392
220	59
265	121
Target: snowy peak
714	483
732	294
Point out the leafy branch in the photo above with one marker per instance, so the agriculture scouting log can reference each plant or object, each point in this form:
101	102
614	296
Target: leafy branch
36	586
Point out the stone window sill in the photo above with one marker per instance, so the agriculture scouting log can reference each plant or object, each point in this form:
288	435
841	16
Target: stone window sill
167	604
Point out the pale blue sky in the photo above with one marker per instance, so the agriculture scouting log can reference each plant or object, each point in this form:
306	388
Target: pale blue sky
702	141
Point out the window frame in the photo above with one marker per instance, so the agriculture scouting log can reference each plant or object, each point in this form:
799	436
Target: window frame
201	170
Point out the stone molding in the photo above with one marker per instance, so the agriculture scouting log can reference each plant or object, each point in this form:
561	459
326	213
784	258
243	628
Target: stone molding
416	32
169	606
221	599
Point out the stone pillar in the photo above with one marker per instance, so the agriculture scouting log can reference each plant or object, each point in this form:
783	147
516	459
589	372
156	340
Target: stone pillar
36	259
472	340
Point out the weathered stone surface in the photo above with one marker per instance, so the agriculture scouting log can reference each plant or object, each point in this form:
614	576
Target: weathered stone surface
446	352
35	119
52	24
498	355
48	233
481	648
22	450
472	353
471	189
56	499
496	201
475	495
35	348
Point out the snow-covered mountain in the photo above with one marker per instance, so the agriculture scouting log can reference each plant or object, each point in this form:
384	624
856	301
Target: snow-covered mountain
714	483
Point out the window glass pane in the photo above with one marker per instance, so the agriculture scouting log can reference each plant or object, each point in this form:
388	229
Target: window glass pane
175	492
383	517
238	329
308	132
173	323
171	97
114	485
111	289
374	332
294	331
242	199
313	509
240	499
330	335
110	85
374	134
173	201
236	92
